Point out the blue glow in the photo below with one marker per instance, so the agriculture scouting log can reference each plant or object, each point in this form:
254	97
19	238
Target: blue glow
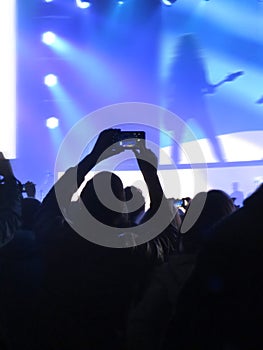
91	68
244	22
50	80
48	38
83	4
103	55
62	47
66	106
167	2
52	122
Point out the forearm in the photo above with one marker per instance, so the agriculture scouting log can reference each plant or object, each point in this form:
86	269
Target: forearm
154	187
85	166
148	164
55	206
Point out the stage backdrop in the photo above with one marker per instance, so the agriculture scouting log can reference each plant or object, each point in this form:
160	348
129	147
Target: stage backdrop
201	60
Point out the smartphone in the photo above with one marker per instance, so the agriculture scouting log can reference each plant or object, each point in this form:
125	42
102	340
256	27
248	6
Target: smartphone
130	139
178	202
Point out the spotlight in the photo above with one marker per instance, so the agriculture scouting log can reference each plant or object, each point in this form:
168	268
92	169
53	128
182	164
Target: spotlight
120	2
52	122
48	38
48	0
50	80
83	4
168	2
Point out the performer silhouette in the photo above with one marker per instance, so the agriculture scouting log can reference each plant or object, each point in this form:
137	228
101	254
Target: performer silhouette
187	84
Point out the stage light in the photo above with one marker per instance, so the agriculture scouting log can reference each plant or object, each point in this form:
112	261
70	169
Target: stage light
168	2
120	2
48	38
83	4
50	80
8	74
52	122
48	0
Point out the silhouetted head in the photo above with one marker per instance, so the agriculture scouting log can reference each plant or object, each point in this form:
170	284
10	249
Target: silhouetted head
104	198
30	189
217	206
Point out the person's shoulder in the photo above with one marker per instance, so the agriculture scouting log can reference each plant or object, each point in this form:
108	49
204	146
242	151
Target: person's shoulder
31	200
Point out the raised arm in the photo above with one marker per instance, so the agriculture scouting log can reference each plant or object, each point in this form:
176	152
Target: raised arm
165	242
55	205
148	163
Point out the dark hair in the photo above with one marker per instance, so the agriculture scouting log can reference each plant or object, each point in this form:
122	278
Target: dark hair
217	206
110	184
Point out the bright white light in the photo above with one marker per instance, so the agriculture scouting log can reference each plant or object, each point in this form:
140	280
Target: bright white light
8	79
52	122
48	38
51	80
167	2
83	4
48	0
120	2
258	179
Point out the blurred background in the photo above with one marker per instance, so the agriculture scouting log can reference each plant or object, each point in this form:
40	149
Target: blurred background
65	59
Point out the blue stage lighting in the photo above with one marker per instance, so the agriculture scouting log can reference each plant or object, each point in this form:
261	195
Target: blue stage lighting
83	4
48	38
52	122
50	80
168	2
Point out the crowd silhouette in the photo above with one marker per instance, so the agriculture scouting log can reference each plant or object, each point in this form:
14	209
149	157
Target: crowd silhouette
78	275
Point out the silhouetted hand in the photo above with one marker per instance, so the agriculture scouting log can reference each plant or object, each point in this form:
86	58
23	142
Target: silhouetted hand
186	202
106	145
146	159
104	148
5	167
